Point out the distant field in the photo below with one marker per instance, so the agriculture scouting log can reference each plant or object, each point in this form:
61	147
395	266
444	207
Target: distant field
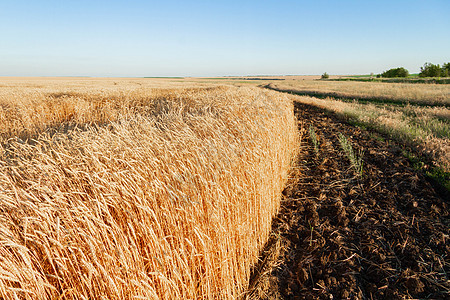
412	79
423	94
137	188
417	115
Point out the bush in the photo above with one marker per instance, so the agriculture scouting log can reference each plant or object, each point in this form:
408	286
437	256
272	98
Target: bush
325	75
430	70
397	72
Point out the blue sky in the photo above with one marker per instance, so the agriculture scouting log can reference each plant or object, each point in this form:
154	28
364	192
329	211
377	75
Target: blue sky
213	38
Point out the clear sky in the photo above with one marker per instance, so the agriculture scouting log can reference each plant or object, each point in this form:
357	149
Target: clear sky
212	38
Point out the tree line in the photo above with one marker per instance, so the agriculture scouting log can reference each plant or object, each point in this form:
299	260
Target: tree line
428	70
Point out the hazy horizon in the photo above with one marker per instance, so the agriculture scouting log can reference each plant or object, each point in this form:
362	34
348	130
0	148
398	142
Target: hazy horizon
223	38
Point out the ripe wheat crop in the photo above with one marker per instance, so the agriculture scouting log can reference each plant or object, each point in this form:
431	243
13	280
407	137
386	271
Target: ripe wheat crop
143	194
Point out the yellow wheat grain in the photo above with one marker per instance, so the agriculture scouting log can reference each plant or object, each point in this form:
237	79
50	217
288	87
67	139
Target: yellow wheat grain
147	194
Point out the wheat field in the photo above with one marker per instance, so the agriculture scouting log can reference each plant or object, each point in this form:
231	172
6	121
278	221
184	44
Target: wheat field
137	189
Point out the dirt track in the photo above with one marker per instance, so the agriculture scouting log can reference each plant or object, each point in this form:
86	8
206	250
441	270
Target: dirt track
384	235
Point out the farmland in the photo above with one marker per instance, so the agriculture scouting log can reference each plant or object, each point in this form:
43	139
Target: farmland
220	188
395	93
339	226
382	234
119	190
416	115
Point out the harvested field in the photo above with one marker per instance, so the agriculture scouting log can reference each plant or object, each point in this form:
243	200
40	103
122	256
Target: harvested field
414	122
399	93
426	130
339	235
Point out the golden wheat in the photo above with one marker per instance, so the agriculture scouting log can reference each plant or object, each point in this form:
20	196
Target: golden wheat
148	194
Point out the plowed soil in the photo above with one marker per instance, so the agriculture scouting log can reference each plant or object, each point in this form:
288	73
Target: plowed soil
339	235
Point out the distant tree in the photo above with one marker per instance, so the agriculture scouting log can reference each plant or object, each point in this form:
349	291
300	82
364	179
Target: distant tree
430	70
378	75
397	72
445	72
325	75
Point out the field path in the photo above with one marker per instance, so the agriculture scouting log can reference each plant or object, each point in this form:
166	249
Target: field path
382	235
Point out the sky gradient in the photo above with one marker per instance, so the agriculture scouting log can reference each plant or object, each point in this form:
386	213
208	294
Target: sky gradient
215	38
